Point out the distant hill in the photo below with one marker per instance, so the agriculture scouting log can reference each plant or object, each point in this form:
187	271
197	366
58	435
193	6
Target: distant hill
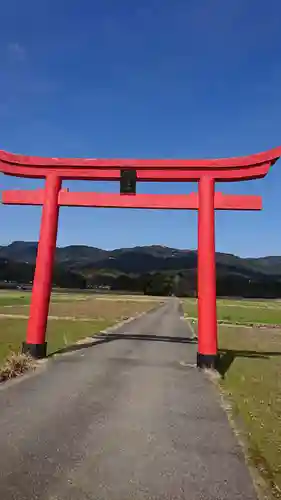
140	259
139	267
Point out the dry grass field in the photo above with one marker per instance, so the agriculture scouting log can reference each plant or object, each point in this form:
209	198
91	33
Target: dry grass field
244	311
71	317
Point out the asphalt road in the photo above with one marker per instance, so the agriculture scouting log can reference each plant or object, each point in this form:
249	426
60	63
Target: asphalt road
129	418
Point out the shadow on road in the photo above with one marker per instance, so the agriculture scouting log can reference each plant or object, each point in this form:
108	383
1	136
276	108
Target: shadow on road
227	356
109	337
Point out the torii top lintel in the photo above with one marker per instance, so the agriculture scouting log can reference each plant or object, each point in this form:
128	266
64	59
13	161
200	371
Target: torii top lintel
221	169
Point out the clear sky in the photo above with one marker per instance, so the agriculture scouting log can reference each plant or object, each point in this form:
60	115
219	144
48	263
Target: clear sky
143	78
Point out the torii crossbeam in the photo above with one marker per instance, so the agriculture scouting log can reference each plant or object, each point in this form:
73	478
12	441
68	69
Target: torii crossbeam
205	172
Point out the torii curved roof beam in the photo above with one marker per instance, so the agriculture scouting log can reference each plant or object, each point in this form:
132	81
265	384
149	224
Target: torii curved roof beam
221	169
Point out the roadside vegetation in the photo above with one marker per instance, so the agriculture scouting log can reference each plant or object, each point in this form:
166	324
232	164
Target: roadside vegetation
15	364
250	367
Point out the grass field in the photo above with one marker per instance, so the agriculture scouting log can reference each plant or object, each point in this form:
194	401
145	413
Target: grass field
251	367
247	312
71	317
12	298
59	333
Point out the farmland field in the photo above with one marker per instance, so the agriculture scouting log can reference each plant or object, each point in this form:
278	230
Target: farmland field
71	317
245	312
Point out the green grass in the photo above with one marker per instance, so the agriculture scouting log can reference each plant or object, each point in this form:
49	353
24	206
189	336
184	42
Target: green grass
241	311
10	298
59	333
14	299
252	360
190	307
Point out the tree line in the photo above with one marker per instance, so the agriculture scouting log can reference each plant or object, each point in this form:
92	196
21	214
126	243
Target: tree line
182	284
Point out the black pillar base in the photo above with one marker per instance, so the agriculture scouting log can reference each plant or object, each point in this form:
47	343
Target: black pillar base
36	351
207	361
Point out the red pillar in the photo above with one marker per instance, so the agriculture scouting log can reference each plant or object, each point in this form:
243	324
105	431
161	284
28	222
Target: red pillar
207	313
35	343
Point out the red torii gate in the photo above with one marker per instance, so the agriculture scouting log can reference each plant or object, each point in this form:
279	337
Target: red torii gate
205	172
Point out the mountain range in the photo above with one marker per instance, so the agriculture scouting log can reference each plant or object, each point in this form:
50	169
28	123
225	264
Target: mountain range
144	269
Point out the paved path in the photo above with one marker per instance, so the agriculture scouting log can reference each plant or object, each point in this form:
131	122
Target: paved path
122	420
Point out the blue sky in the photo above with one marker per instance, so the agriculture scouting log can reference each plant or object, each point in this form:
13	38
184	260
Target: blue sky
143	78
